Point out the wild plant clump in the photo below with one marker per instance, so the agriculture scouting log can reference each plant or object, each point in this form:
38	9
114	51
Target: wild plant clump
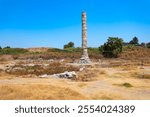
52	68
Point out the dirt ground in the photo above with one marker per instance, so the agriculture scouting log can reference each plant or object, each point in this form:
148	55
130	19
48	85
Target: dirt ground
113	80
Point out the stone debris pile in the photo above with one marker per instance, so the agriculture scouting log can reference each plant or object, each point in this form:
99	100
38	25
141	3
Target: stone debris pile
66	74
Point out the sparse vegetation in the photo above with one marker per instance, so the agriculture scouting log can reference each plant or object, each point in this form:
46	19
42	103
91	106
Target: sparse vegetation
12	51
141	75
103	72
146	76
87	75
135	53
82	85
92	83
52	68
19	71
127	85
24	92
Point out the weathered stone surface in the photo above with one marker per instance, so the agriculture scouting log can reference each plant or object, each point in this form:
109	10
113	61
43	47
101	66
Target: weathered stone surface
44	76
51	60
67	75
85	58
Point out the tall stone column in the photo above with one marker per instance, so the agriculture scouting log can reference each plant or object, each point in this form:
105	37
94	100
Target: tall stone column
85	58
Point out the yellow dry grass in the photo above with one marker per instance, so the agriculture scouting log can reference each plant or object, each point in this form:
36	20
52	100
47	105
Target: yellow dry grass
107	96
38	92
99	85
5	76
82	85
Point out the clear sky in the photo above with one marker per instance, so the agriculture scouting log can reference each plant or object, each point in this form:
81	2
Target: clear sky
53	23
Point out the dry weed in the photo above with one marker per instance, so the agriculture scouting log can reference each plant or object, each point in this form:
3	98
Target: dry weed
52	68
127	85
103	72
82	85
87	75
141	75
107	96
129	68
37	92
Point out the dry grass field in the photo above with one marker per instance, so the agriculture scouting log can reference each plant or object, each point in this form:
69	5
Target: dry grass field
108	79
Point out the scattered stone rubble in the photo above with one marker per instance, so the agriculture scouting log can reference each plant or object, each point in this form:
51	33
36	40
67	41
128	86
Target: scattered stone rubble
14	67
66	74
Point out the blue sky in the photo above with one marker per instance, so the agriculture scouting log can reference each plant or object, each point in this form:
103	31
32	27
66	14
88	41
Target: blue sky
53	23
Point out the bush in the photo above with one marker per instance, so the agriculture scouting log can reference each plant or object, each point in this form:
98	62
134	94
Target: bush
127	85
148	45
55	50
93	50
13	51
72	50
112	47
129	47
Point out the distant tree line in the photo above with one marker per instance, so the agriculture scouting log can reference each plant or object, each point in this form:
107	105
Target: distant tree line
9	50
109	49
5	47
112	47
135	41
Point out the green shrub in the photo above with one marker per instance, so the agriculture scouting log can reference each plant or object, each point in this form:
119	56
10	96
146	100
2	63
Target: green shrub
13	51
112	47
93	50
148	45
72	50
128	85
55	50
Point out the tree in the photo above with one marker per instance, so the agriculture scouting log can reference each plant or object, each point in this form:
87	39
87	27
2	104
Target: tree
148	45
134	41
143	44
112	47
6	47
69	45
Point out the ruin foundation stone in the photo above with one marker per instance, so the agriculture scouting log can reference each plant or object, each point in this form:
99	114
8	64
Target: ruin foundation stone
85	58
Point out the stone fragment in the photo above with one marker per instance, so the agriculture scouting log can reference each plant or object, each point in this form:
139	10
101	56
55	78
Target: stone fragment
66	74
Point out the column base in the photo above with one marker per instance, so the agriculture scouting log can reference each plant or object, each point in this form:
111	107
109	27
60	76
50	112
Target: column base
85	60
